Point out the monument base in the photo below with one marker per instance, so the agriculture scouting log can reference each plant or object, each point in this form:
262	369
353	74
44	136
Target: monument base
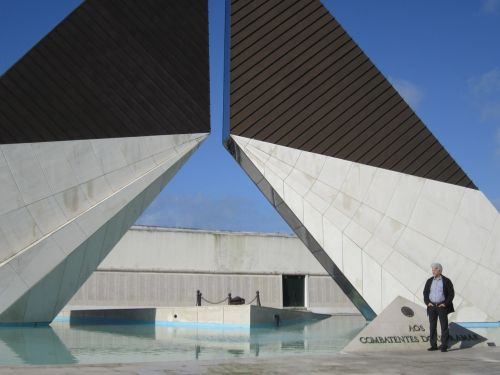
404	325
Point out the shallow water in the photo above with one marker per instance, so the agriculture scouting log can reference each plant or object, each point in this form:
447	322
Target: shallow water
62	343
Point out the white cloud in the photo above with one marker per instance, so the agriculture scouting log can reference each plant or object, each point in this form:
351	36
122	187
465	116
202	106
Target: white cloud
213	213
485	91
490	111
409	91
486	84
490	6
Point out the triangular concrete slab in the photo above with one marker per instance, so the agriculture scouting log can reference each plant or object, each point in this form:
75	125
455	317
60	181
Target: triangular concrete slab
404	325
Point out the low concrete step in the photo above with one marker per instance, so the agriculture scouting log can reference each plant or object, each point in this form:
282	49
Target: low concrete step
240	315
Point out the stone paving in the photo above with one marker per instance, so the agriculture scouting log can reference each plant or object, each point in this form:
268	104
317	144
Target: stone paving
465	361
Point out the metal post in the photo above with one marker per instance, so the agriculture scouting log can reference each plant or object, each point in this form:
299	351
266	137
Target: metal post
258	298
229	298
198	298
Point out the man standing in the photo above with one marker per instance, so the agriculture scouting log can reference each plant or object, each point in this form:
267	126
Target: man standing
438	296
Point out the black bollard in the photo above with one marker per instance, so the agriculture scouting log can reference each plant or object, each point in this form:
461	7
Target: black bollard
198	298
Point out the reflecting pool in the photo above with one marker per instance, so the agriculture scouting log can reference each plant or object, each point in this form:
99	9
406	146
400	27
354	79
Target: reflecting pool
63	343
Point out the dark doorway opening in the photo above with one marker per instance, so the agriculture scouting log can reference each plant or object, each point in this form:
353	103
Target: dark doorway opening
293	290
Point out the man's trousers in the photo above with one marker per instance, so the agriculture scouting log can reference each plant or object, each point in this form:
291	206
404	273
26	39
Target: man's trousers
434	313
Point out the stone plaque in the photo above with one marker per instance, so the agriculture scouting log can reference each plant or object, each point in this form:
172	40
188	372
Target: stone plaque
404	325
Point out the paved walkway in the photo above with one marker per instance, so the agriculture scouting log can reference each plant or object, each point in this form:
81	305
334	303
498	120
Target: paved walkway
468	361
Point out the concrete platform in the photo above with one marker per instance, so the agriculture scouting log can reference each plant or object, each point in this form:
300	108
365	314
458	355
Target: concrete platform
234	315
464	361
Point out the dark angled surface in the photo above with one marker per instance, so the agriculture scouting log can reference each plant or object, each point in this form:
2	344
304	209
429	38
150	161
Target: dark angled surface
114	68
299	80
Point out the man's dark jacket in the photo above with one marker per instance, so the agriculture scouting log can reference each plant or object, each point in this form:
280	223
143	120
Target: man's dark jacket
448	291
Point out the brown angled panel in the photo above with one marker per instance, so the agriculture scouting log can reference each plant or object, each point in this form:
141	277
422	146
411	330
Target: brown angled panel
340	70
297	79
380	116
114	68
274	63
382	138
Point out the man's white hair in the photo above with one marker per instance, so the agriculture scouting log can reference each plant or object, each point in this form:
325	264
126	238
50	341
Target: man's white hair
437	265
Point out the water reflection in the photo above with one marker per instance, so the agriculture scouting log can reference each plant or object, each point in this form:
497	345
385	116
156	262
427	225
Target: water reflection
33	345
63	344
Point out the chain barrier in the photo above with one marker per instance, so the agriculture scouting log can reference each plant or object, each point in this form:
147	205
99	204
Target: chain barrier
214	303
252	301
199	298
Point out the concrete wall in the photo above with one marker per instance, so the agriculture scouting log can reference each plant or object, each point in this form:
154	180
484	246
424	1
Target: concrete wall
325	295
165	267
184	250
173	289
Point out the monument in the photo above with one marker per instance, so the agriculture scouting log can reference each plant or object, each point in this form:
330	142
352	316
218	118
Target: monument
94	121
350	166
101	113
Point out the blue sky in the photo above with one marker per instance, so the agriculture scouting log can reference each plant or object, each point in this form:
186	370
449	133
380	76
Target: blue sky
443	56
